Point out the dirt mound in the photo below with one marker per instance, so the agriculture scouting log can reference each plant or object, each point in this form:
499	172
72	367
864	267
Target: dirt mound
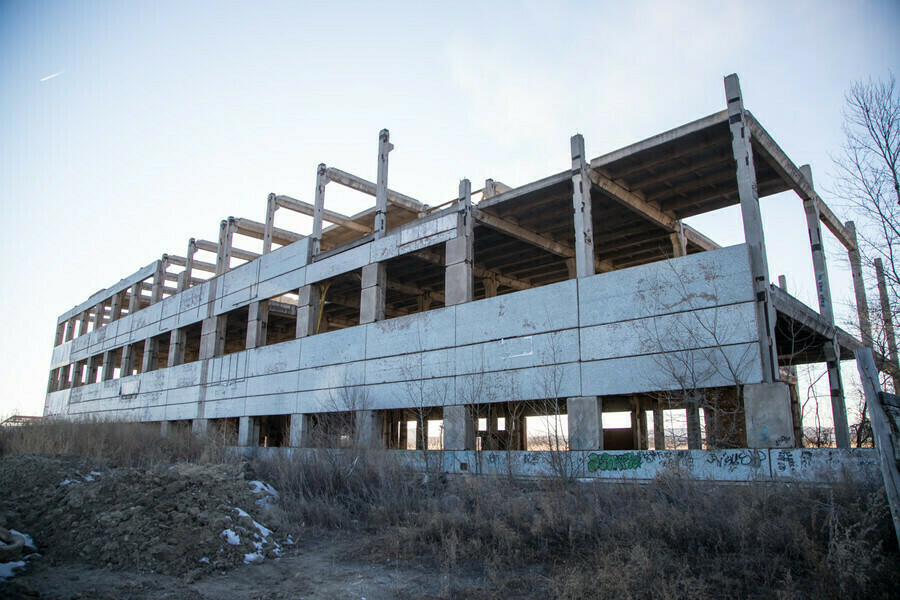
172	520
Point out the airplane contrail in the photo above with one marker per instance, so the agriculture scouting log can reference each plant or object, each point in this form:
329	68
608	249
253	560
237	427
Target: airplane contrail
52	76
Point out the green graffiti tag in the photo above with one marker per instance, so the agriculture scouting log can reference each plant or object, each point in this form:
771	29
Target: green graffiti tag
614	462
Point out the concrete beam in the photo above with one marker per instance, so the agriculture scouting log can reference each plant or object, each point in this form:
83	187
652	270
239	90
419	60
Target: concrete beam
367	187
257	230
633	201
581	202
888	320
305	208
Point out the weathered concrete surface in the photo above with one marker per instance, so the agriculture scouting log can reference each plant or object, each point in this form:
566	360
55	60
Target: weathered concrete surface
585	423
767	412
521	346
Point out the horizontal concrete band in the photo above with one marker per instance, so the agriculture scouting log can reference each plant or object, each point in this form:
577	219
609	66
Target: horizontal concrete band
613	333
812	466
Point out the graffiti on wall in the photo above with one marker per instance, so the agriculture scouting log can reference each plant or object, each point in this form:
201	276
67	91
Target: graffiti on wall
614	462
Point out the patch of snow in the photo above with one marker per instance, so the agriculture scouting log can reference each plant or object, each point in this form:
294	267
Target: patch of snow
9	569
65	481
263	531
251	557
258	486
231	537
205	560
241	512
88	478
29	543
289	541
97	473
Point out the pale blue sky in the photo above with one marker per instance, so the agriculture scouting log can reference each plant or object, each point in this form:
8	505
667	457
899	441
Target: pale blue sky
169	116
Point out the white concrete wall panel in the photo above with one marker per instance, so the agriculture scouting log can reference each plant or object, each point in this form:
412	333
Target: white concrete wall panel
352	259
334	347
702	280
411	333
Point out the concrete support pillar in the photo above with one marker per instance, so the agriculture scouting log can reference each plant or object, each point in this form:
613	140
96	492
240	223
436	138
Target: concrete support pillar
767	414
887	318
126	367
308	305
581	201
257	324
269	230
381	184
319	210
679	242
70	329
368	426
98	316
83	323
298	431
200	427
695	435
93	369
64	381
77	370
164	428
374	290
859	287
823	292
115	307
223	254
245	432
109	364
134	298
459	428
753	230
459	276
585	417
212	337
60	333
151	355
423	301
187	276
643	429
177	345
491	285
659	431
159	279
789	376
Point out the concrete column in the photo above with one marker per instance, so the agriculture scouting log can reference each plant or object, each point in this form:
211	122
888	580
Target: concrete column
643	429
83	323
134	298
60	333
269	230
200	427
859	287
823	292
659	431
423	301
767	414
70	329
459	276
753	230
93	369
212	337
368	428
126	367
177	345
187	276
459	428
257	324
77	369
888	319
109	366
115	307
319	210
789	376
298	431
381	184
159	279
98	316
223	254
245	431
151	355
164	428
64	381
585	417
491	285
695	435
308	304
374	289
581	201
679	242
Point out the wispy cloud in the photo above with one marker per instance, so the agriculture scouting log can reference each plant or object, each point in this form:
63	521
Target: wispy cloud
52	76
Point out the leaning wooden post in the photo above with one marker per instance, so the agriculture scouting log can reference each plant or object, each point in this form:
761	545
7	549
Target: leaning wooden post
881	429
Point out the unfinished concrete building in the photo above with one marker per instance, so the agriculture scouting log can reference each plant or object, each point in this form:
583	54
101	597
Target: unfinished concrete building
580	294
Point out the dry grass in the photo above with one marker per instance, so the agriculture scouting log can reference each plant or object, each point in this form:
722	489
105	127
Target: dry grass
120	444
674	538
